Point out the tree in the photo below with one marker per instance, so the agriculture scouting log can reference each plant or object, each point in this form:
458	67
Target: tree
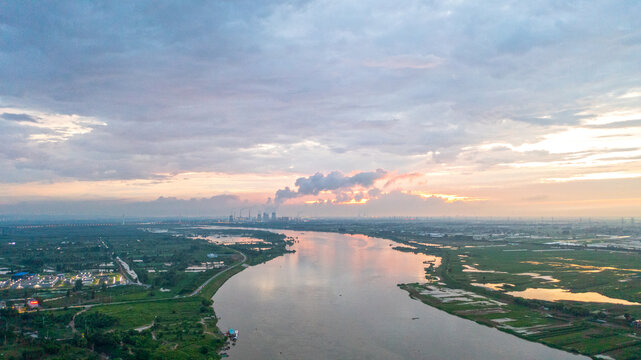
78	285
96	320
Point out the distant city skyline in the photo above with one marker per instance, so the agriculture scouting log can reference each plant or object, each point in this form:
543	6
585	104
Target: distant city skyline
320	108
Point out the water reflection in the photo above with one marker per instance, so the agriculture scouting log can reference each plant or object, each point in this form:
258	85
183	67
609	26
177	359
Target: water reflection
493	286
539	276
218	239
563	294
336	298
468	268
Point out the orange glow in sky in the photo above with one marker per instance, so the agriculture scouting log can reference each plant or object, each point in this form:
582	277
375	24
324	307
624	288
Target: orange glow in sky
447	197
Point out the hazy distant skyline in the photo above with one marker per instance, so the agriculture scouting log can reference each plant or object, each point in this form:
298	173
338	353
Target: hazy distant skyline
321	108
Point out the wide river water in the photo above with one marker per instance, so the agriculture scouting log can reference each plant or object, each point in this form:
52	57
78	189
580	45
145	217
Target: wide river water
336	298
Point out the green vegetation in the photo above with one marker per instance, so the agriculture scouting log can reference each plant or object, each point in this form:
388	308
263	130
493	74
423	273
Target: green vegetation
169	329
602	257
589	328
481	264
168	315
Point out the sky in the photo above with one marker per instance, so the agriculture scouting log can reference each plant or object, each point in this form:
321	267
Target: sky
320	108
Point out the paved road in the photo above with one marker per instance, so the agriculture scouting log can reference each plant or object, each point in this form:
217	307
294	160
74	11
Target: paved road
200	288
216	275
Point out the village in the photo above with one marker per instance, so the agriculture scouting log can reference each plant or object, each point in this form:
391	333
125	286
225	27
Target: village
26	280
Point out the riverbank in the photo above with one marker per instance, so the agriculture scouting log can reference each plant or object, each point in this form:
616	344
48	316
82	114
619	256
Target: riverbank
591	329
177	322
334	284
493	271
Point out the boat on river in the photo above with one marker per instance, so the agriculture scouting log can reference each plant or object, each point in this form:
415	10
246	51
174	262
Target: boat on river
232	334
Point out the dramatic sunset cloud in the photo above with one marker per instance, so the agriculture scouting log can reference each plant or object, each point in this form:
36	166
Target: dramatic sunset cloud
464	107
335	181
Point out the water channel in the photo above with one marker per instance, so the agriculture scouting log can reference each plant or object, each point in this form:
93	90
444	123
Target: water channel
336	298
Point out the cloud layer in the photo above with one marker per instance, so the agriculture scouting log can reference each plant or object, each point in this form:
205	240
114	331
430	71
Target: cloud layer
474	95
334	181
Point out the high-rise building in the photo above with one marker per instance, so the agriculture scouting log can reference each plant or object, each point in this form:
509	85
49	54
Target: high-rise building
259	217
265	216
274	216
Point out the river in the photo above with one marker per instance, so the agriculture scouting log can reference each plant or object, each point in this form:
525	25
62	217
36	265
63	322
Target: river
336	298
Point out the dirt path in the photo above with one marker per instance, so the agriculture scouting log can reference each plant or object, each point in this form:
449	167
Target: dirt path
202	321
145	327
72	323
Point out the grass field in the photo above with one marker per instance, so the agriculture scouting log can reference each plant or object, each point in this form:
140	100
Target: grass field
163	318
588	328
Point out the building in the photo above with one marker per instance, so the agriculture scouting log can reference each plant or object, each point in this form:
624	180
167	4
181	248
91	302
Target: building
33	303
20	275
636	324
259	217
265	216
274	216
